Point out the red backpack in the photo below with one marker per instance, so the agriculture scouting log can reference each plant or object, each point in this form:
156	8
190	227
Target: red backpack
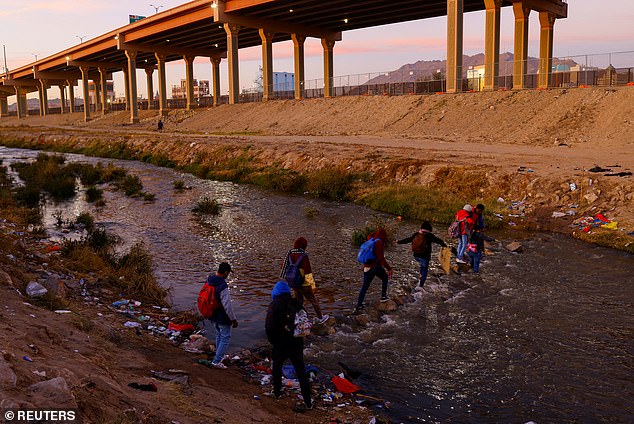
207	302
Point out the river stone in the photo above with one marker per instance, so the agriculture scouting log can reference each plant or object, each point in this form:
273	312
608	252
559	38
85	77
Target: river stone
591	197
362	320
5	279
8	378
320	330
53	393
54	285
389	306
7	403
514	247
35	289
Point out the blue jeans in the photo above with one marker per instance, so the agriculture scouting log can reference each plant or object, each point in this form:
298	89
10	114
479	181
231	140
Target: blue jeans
377	271
424	267
474	259
223	335
462	246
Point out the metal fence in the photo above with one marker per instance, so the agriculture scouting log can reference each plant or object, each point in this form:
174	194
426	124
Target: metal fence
596	70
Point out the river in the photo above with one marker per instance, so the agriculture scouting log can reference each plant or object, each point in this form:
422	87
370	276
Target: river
546	335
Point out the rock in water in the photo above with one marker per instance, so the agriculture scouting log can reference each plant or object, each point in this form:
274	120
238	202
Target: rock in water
515	247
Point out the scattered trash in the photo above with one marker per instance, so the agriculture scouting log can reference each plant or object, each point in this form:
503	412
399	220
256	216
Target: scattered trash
120	303
344	386
40	373
619	174
256	397
150	387
573	186
514	247
181	327
26	358
558	214
132	324
35	289
63	311
500	200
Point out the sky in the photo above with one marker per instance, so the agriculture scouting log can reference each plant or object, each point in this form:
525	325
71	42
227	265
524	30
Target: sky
44	27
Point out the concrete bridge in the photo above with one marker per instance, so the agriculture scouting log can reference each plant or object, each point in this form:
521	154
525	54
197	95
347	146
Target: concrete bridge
218	29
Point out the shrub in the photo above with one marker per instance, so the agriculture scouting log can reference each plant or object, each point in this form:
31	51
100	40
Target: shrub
93	194
330	183
130	184
207	206
179	185
360	235
86	220
148	197
28	196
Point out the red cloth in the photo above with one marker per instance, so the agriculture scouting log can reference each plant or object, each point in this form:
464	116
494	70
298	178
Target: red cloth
180	327
344	386
467	221
379	249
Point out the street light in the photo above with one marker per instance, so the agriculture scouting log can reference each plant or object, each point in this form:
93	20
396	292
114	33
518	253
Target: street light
81	38
156	8
35	54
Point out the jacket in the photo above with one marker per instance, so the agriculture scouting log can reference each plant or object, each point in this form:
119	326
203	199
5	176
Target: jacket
477	238
466	221
429	239
224	312
379	250
280	322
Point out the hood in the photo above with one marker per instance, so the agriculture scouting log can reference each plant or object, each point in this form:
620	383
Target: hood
280	289
380	233
300	243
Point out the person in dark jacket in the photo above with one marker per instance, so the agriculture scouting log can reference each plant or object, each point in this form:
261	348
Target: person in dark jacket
421	248
223	317
309	288
279	326
475	248
378	267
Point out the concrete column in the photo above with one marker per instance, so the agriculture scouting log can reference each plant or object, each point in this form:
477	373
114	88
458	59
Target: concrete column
62	98
71	96
520	51
298	55
189	75
134	106
215	79
160	58
455	9
233	62
40	97
492	44
547	24
103	77
18	102
267	64
97	94
4	107
44	110
84	83
126	83
150	87
328	46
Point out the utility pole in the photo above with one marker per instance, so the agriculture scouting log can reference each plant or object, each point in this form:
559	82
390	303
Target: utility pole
81	38
6	70
156	7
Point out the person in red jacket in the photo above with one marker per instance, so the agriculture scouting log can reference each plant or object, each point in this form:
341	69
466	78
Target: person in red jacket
375	268
464	216
309	288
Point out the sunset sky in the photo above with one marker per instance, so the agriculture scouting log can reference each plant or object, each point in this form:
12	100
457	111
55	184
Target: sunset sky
44	27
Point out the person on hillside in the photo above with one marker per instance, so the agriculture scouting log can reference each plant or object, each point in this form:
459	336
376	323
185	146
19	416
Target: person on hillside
160	125
378	267
475	248
279	326
463	216
421	248
308	289
223	317
477	216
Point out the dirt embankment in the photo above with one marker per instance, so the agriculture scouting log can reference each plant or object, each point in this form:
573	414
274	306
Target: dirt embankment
524	146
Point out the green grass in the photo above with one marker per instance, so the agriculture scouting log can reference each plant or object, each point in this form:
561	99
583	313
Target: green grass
93	194
207	206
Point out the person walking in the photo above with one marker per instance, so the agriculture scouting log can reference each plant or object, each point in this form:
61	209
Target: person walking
308	288
160	125
477	216
421	248
475	248
223	317
376	267
279	326
463	216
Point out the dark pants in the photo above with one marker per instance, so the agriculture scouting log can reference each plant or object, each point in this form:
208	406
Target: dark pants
474	259
308	293
424	269
295	353
377	271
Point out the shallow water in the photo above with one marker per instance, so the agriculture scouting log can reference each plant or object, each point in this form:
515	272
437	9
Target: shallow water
545	335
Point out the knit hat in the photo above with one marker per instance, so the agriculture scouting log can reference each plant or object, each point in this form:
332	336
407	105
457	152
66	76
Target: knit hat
468	208
280	288
426	226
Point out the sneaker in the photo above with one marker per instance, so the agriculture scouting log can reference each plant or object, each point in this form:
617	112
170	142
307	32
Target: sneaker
323	319
385	299
460	261
357	310
303	407
419	288
219	365
274	395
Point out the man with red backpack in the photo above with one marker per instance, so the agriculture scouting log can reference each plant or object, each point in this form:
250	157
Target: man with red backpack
222	316
372	256
421	248
298	274
464	218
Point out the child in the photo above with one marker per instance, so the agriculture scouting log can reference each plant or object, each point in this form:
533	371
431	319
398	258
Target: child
475	248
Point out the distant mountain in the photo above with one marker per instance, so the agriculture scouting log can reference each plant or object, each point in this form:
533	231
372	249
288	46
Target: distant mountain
426	69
